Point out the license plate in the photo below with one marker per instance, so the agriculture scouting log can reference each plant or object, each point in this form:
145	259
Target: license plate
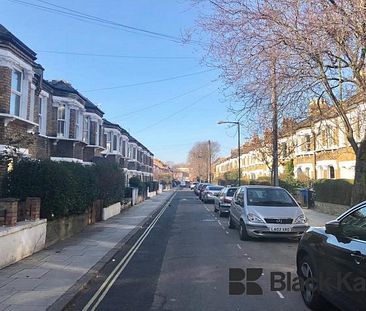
280	229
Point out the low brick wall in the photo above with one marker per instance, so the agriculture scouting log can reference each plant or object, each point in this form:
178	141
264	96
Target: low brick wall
330	208
21	240
63	228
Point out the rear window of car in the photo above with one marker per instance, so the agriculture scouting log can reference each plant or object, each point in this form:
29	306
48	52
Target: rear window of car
214	188
269	197
231	192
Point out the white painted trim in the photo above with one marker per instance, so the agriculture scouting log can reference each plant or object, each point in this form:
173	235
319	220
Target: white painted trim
24	151
59	159
10	60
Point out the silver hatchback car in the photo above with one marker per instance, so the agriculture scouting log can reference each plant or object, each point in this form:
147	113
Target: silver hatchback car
264	211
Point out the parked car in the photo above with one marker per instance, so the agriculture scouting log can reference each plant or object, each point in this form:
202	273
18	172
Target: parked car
223	200
198	188
203	187
210	193
331	262
193	184
265	211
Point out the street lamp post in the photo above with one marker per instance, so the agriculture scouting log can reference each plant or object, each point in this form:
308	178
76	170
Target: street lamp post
238	124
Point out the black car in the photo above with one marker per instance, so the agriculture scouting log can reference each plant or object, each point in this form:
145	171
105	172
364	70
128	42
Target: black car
331	262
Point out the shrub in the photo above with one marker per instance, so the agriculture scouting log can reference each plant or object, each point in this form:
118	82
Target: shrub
134	182
111	182
337	191
64	188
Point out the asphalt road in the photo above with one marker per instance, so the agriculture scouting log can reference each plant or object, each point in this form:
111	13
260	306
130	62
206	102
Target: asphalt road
184	262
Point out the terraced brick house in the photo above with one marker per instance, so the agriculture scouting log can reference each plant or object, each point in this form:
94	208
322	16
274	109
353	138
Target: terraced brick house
318	147
52	120
130	154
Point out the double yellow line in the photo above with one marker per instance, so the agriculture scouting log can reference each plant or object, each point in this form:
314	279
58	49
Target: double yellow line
108	283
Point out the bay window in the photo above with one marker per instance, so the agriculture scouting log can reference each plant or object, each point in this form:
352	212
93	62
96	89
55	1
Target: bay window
114	142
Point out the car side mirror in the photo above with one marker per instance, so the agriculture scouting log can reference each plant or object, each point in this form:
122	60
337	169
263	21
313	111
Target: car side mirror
333	227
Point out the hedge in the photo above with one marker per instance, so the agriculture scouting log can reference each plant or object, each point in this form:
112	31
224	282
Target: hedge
337	191
64	188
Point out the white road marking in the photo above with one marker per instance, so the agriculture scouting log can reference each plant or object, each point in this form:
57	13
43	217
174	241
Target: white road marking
238	246
245	254
249	258
111	279
280	294
226	232
219	222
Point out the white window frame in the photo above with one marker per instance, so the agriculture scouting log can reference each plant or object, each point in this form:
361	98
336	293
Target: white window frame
77	124
109	141
86	129
61	121
16	93
42	115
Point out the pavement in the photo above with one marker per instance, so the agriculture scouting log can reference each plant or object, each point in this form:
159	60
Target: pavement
317	219
184	261
51	277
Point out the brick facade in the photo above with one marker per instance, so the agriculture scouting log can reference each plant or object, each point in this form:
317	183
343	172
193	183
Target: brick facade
5	89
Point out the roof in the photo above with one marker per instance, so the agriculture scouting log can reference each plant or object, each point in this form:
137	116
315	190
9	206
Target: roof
7	37
66	87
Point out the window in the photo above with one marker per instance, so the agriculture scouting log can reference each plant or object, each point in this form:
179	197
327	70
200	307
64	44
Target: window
284	150
77	124
40	114
86	130
120	145
354	225
307	143
109	141
61	121
124	148
331	172
307	172
16	92
114	142
93	133
269	197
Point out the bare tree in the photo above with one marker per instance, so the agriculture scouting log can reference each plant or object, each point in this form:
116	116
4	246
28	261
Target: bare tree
319	48
199	158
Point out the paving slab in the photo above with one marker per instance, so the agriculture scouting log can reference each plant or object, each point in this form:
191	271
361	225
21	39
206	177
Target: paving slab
37	282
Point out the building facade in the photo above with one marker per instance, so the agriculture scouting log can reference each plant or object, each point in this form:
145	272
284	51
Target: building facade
318	147
44	119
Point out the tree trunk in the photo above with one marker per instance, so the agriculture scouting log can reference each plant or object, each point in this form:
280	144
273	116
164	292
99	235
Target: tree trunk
274	173
359	188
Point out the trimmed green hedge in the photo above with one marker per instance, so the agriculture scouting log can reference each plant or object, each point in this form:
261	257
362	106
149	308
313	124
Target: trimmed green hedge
64	188
337	191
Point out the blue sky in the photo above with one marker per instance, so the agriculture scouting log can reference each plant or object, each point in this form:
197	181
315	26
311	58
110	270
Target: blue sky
184	110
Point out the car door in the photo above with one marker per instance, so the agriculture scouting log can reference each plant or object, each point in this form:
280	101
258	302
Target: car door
346	271
237	204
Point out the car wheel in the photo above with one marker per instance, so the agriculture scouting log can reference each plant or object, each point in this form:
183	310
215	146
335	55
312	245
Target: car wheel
231	224
221	214
243	234
310	289
215	208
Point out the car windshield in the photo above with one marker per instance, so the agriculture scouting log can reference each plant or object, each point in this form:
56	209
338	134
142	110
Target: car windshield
231	192
214	188
269	197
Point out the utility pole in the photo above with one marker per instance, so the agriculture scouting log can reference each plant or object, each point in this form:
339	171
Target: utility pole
274	99
239	168
209	161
